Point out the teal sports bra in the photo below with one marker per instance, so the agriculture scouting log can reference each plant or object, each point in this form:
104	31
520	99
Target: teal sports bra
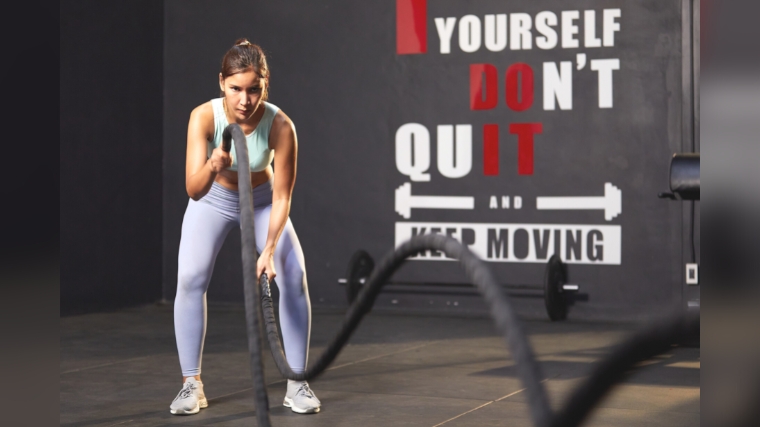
259	153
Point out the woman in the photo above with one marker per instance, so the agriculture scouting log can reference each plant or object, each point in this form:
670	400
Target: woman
211	180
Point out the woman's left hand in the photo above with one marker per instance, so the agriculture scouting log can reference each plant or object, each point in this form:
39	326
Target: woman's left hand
265	264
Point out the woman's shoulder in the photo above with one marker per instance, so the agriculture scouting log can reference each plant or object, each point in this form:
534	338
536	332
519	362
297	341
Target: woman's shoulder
280	118
202	120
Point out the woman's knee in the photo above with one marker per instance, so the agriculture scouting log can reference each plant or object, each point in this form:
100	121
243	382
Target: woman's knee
294	277
192	280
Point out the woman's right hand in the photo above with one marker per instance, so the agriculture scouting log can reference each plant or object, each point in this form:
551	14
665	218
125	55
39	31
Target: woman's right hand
219	160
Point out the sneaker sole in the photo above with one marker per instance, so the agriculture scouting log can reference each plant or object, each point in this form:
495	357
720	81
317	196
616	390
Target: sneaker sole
288	403
203	403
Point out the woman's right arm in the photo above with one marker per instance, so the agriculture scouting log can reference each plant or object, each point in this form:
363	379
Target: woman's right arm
200	171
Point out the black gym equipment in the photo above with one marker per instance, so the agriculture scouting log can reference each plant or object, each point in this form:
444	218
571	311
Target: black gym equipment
557	294
649	342
684	177
554	294
684	186
360	266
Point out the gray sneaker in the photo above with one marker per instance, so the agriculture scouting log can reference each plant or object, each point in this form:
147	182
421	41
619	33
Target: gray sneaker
300	398
190	399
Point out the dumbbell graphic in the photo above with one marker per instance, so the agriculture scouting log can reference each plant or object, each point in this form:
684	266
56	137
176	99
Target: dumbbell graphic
611	202
405	201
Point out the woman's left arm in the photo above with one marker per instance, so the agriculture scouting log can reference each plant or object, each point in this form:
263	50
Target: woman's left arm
285	144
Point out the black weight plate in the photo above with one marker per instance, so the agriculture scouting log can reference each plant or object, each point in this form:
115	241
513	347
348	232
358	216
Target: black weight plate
359	266
554	278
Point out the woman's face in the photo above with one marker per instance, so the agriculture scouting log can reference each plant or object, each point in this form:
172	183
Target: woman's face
242	93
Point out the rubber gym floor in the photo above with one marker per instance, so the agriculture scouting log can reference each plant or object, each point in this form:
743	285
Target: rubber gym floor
121	369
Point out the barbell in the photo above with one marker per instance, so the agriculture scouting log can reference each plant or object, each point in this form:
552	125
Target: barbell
555	291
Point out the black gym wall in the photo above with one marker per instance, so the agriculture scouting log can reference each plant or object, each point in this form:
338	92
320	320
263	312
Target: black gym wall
111	100
357	95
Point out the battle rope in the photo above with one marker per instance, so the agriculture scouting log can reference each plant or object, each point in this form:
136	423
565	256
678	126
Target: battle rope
501	310
253	319
652	340
642	346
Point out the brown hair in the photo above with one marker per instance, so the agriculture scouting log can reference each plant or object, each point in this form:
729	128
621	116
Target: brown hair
244	56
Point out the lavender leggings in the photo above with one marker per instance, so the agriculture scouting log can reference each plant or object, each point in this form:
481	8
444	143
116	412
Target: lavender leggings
204	228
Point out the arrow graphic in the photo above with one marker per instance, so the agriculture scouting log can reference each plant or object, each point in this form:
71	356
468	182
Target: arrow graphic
611	202
405	201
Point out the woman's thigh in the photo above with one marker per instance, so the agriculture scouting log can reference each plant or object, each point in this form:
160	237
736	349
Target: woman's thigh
288	254
203	233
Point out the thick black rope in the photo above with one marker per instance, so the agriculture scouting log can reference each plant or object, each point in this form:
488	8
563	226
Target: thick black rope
650	341
505	318
643	345
253	317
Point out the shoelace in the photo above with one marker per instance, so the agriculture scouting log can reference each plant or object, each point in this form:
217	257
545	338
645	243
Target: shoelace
306	390
186	391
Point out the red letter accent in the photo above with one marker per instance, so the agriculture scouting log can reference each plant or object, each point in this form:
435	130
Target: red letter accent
490	149
526	94
411	26
476	87
525	133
